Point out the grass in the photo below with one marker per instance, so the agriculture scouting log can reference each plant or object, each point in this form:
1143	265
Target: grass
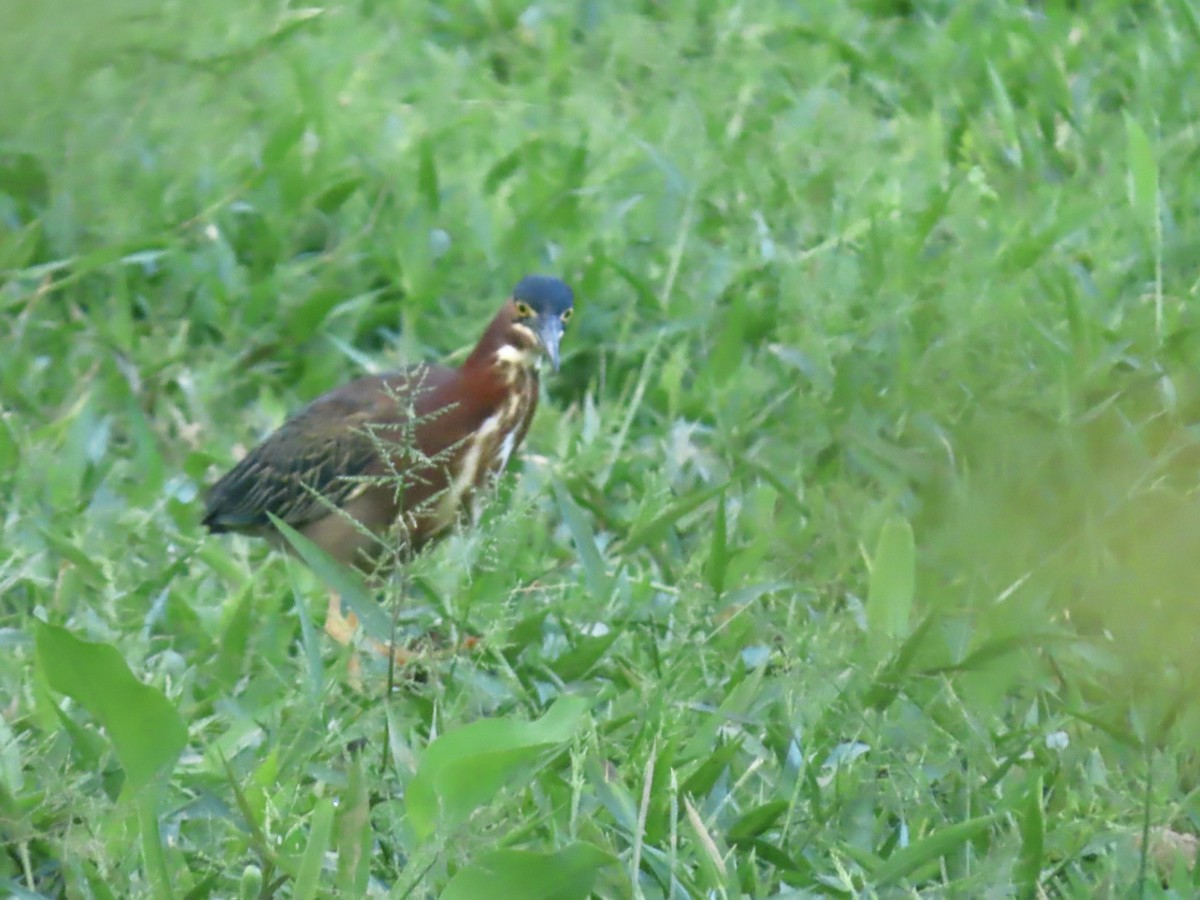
852	552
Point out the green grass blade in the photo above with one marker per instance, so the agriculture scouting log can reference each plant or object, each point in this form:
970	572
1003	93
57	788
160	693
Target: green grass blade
154	855
595	574
354	831
1032	824
643	534
347	584
1143	175
718	552
308	876
928	850
892	585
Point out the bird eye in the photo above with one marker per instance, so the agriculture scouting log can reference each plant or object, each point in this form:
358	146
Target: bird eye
566	316
524	310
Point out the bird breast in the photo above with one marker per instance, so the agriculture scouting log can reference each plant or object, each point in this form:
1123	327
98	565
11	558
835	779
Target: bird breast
486	451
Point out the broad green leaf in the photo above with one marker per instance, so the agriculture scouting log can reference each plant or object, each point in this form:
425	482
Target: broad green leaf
928	849
341	580
892	584
146	730
465	768
89	745
566	874
1143	175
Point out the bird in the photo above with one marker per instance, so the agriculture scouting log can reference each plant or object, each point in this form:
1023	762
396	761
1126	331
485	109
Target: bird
374	471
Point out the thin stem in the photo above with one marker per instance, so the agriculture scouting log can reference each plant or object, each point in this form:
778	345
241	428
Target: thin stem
153	856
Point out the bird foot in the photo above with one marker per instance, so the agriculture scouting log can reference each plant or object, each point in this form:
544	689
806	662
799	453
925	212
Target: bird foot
343	627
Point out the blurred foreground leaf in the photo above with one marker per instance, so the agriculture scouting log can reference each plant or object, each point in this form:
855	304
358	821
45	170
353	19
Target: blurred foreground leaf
565	874
146	730
465	768
890	592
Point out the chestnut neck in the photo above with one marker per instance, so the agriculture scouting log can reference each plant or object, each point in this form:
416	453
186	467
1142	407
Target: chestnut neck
499	334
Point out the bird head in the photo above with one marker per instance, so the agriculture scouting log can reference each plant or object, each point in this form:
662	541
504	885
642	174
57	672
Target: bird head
541	307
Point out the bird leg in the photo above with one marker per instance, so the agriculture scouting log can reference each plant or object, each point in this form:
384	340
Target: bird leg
342	627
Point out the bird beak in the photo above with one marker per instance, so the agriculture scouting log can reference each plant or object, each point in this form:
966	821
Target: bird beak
549	332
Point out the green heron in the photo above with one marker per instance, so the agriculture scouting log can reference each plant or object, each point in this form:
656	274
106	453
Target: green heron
374	470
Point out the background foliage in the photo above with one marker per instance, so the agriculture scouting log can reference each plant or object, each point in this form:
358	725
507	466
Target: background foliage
853	551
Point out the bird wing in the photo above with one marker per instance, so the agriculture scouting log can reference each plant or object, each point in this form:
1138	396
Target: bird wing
319	458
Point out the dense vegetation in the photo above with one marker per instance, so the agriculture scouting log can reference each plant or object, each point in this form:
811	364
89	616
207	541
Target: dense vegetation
853	551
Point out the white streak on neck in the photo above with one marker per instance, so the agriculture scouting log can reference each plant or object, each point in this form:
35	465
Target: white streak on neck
507	354
515	363
503	426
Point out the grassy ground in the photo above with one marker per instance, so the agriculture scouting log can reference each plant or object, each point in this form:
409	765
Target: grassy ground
852	553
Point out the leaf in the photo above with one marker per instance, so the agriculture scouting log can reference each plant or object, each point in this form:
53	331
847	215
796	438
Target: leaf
340	579
726	357
427	176
1033	835
1191	19
566	874
308	877
354	835
230	660
145	729
927	219
465	768
1143	175
19	246
643	534
887	682
503	169
89	746
594	572
579	660
283	137
25	178
718	553
330	200
700	782
995	649
756	821
77	556
928	849
892	583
